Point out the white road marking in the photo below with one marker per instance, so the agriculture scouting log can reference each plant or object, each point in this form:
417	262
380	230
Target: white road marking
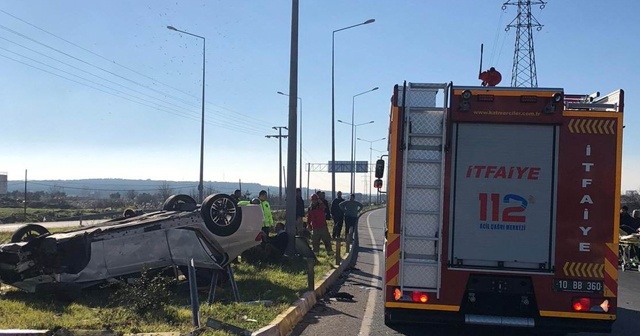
365	326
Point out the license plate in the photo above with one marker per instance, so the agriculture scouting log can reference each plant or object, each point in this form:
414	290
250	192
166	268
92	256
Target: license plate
578	286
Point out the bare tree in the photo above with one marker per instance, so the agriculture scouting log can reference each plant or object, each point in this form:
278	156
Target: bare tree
131	194
631	199
165	191
194	193
209	190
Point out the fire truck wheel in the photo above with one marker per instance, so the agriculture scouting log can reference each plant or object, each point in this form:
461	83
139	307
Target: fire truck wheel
387	320
221	214
179	202
28	232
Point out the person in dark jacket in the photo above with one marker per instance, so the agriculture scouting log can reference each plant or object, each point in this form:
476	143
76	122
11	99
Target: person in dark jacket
276	246
327	210
627	223
351	210
237	195
300	225
338	215
272	248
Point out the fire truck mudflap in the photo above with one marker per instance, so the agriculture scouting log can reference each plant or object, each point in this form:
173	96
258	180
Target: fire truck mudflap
503	207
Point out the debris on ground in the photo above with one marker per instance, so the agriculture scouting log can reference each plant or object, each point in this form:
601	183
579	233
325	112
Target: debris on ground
342	296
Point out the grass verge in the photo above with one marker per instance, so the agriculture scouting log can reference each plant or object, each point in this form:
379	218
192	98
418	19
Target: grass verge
96	309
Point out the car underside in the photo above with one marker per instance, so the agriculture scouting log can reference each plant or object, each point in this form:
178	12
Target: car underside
212	234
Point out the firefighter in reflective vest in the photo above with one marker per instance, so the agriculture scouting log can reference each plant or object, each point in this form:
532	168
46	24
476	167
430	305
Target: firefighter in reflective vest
267	223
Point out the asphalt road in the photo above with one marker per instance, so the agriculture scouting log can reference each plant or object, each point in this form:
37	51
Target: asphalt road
50	225
364	315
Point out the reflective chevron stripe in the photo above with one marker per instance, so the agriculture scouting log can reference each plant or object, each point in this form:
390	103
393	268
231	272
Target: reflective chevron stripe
591	126
393	259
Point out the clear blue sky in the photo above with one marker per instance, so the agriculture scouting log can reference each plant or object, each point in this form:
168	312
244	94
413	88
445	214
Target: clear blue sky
60	129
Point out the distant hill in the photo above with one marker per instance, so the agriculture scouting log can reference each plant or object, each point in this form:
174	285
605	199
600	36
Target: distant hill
102	188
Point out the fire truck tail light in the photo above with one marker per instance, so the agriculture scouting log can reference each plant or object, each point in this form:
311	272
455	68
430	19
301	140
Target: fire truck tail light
590	305
397	294
419	297
581	304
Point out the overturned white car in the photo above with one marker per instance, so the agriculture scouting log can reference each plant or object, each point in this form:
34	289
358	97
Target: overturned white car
213	234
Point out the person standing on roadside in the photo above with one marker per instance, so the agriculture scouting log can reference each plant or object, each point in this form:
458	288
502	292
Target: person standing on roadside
327	210
237	195
317	222
300	227
267	223
338	215
351	209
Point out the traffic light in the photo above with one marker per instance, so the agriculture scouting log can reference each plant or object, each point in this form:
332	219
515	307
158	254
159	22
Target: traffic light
380	169
377	183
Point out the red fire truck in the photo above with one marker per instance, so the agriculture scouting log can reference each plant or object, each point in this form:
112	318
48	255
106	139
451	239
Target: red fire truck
502	207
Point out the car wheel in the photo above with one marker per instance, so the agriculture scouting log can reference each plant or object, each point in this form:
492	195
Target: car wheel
221	214
180	202
28	232
128	213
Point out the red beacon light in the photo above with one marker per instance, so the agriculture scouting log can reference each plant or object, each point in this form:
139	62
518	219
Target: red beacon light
491	77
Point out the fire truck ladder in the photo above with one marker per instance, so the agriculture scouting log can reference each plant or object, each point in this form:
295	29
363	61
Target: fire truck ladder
423	186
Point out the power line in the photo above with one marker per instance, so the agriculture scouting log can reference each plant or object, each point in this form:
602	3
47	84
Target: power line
158	107
100	189
110	72
127	68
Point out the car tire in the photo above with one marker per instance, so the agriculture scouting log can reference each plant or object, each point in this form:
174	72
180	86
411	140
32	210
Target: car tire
28	232
180	202
221	214
128	213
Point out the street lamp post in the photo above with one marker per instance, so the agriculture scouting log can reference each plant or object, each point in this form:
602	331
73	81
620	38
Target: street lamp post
333	105
300	99
353	139
353	162
370	159
201	183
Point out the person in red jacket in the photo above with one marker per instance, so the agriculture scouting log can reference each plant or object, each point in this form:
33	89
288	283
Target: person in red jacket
317	222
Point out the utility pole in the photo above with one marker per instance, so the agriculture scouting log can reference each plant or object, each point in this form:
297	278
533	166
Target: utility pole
279	136
523	73
290	222
25	195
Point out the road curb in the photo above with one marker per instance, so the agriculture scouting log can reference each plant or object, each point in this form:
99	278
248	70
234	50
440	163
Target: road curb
284	323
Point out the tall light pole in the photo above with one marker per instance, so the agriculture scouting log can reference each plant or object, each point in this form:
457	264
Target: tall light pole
353	139
370	159
201	183
333	105
353	162
300	99
279	136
